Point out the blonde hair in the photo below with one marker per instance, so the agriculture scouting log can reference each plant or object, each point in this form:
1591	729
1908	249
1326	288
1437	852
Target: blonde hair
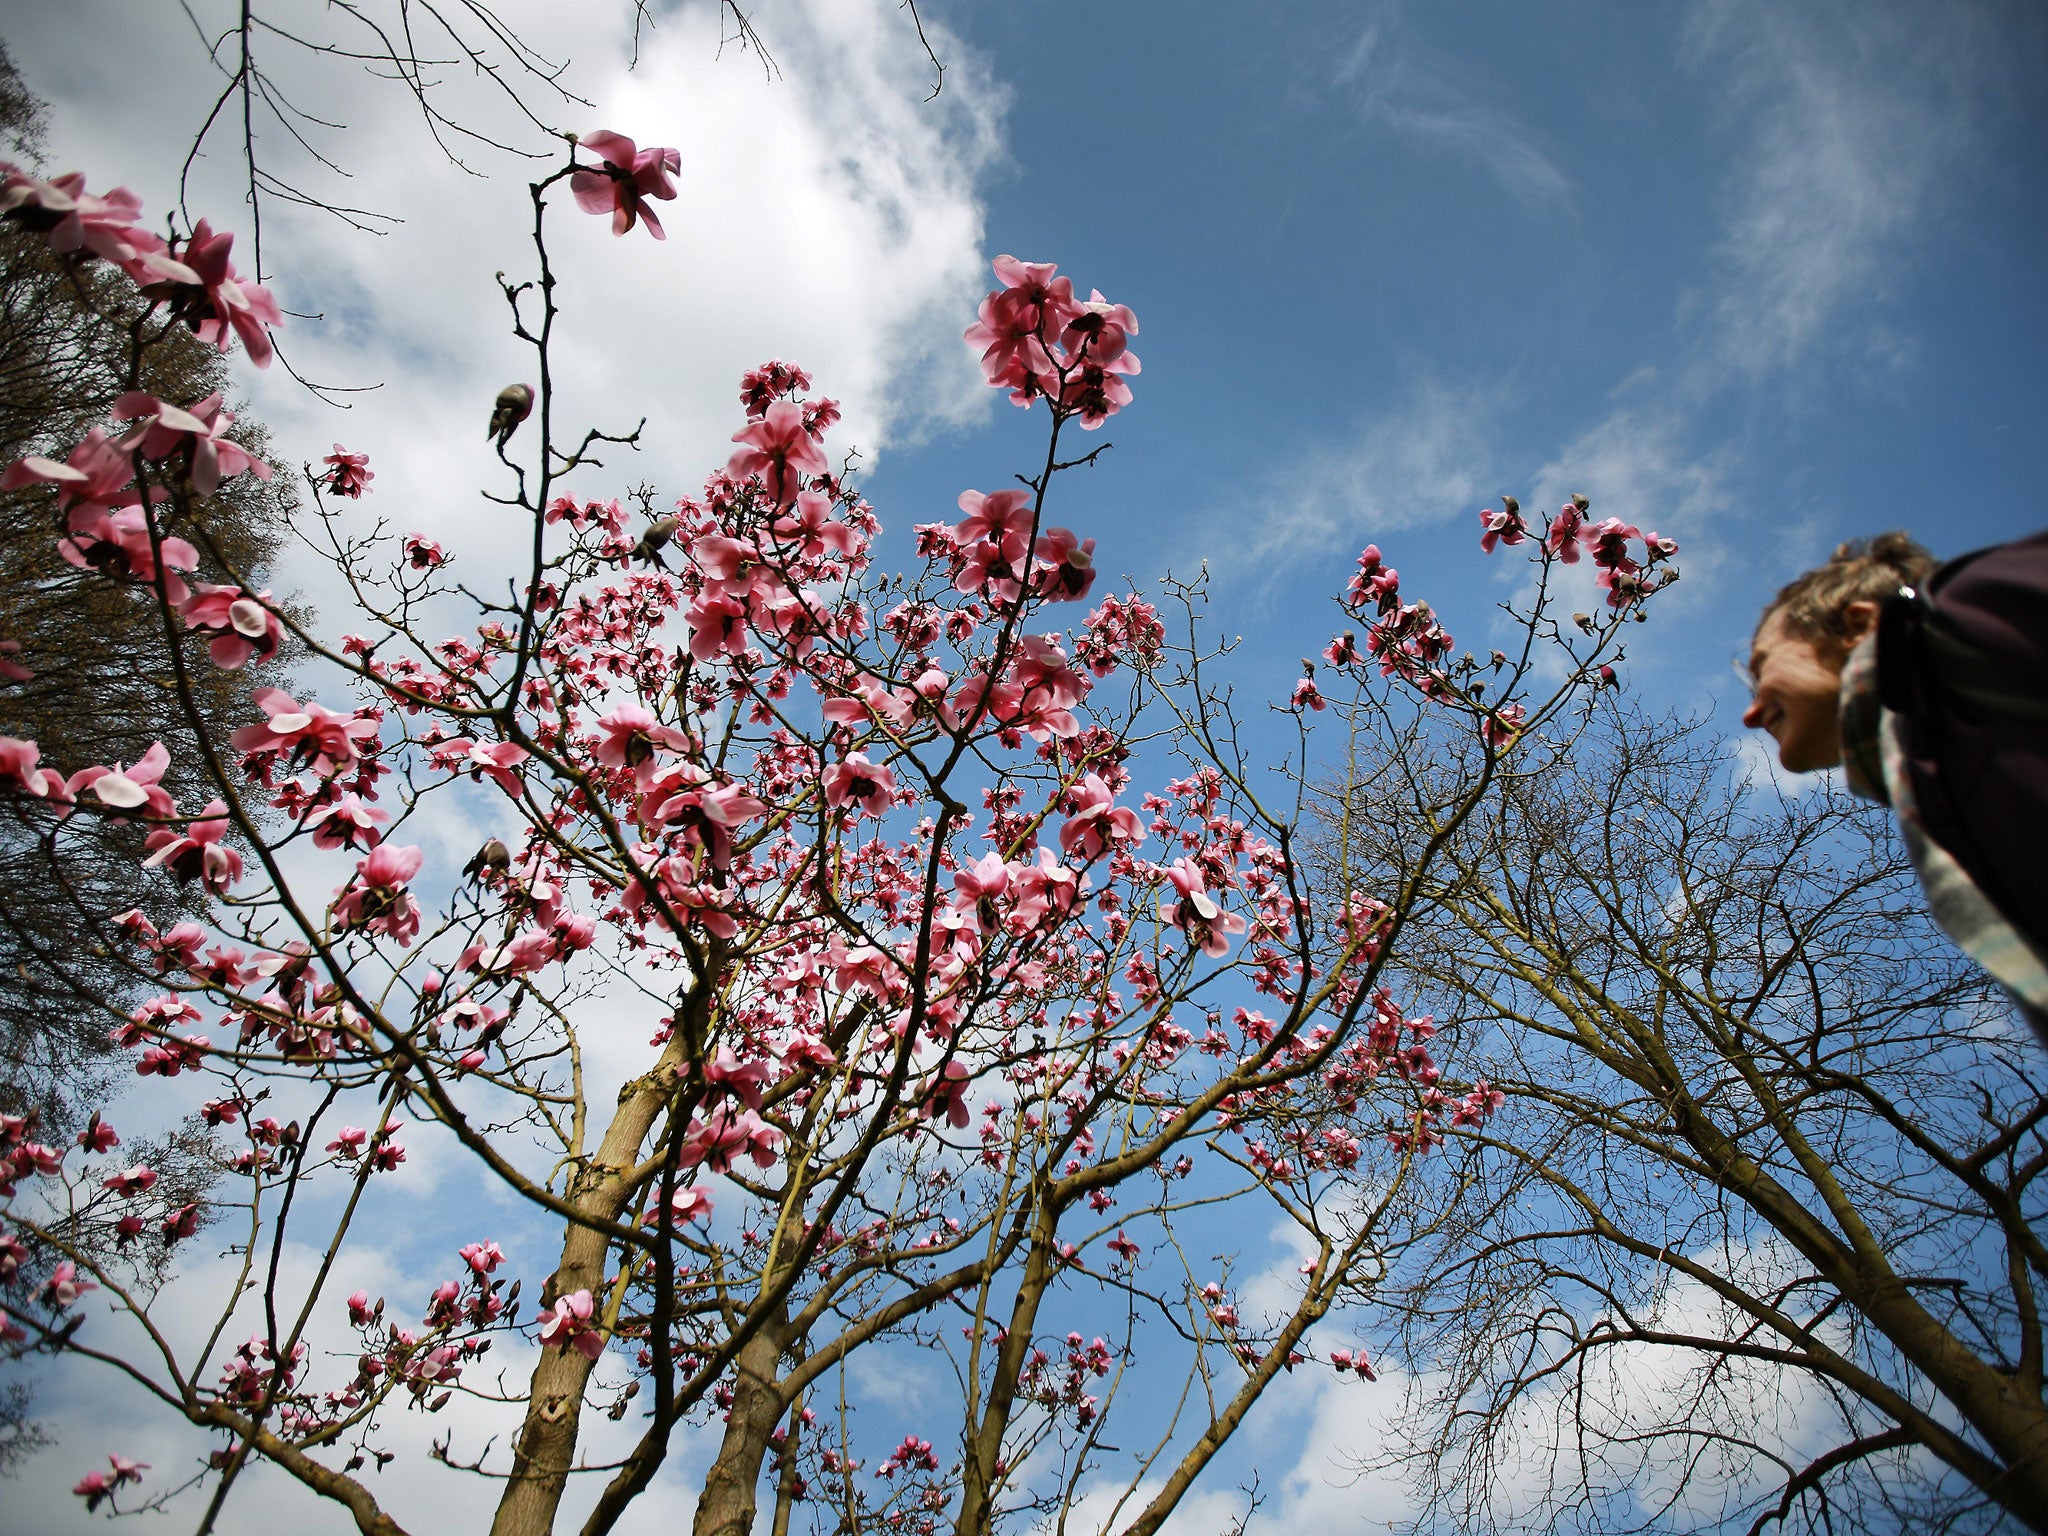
1863	570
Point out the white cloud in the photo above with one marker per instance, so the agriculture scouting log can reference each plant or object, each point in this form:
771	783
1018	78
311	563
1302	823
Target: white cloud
828	215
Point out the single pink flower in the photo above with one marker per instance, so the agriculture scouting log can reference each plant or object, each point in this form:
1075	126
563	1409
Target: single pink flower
198	852
946	1095
691	1203
1066	566
346	822
628	176
348	474
1095	820
135	787
377	900
632	736
1208	927
305	736
161	429
569	1325
1503	526
423	554
781	450
116	543
18	765
65	1286
866	785
246	628
220	303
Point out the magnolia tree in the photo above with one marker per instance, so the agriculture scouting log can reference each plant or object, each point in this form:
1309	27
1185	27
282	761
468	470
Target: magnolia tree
960	1032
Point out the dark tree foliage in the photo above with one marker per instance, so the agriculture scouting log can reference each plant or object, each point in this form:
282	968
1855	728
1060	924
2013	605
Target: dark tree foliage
70	342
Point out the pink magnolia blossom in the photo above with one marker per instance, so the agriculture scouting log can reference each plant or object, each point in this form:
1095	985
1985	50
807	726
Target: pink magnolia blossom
688	1204
1066	566
131	788
18	764
631	736
569	1325
865	785
350	1142
104	225
744	1080
482	760
160	429
723	1133
219	303
306	736
1504	526
946	1096
718	625
97	1487
117	544
1095	821
1501	726
65	1286
1562	539
482	1258
247	628
348	474
135	1181
628	177
199	852
781	450
377	900
345	822
97	471
423	554
811	527
1099	332
1094	394
1208	927
97	1135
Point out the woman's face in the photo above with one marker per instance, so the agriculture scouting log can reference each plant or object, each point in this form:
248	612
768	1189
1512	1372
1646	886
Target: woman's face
1797	684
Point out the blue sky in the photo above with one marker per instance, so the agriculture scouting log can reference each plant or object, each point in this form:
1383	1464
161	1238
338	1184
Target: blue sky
1761	276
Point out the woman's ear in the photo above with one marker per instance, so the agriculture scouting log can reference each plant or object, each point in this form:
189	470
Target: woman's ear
1858	619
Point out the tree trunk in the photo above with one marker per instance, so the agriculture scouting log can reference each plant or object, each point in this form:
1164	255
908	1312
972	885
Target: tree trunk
726	1507
546	1448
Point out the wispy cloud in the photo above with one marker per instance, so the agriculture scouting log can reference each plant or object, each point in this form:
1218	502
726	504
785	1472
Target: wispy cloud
1842	133
1845	131
1418	464
1402	85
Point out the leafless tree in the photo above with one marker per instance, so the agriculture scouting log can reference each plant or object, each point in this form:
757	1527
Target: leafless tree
1756	1241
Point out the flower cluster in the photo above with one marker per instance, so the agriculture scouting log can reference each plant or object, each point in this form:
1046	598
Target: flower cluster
1037	340
192	279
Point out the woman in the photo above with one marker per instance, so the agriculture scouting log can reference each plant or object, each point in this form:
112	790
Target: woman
1930	689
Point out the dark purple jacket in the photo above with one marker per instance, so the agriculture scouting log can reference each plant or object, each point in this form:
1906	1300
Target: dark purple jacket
1968	664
